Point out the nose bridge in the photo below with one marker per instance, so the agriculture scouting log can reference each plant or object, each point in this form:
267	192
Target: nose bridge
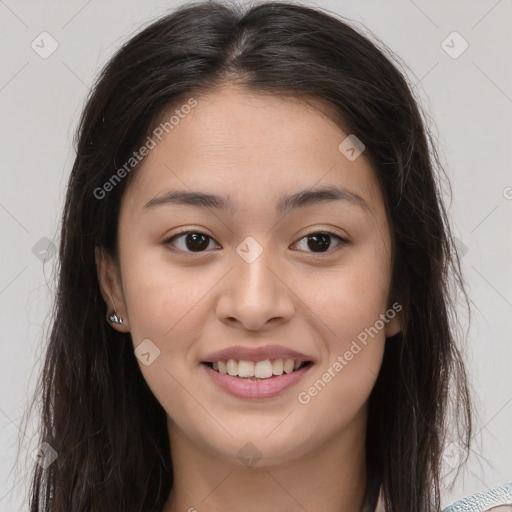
254	280
254	293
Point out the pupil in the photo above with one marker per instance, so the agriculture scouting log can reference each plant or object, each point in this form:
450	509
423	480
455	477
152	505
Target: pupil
320	240
196	241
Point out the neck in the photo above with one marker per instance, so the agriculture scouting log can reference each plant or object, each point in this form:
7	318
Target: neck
330	478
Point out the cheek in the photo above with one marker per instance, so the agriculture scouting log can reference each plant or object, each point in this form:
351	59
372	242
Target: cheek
349	299
354	347
159	295
163	306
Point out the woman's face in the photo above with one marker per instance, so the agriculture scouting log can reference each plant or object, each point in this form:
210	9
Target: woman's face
250	282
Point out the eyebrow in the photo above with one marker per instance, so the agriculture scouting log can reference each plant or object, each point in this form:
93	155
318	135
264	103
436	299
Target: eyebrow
301	199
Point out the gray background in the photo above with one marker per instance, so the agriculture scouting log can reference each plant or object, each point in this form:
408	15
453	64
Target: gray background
469	99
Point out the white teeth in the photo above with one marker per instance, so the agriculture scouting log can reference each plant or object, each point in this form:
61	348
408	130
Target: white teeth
263	369
260	369
222	368
277	367
246	369
288	366
232	367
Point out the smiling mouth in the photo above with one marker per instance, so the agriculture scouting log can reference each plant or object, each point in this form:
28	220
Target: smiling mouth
257	370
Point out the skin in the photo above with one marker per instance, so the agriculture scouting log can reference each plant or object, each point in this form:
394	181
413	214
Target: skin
256	148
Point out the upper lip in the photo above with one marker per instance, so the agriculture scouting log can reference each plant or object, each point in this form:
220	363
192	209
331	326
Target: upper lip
255	354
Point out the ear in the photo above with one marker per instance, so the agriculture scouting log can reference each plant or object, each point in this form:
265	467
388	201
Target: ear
394	325
111	289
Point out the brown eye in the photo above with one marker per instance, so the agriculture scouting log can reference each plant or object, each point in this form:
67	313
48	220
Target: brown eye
191	241
196	242
321	241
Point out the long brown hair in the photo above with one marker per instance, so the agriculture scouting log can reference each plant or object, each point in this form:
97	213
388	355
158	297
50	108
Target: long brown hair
97	412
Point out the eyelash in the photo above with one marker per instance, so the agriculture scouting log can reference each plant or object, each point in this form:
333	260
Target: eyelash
341	240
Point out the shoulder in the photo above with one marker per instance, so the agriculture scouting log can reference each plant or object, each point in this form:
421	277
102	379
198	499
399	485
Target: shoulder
487	500
495	499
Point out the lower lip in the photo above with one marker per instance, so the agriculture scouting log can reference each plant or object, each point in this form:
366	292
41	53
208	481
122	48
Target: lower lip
245	388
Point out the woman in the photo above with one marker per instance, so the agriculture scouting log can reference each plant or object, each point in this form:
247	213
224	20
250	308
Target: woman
254	209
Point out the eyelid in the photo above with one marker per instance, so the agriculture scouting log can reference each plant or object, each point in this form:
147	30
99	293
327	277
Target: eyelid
185	231
342	241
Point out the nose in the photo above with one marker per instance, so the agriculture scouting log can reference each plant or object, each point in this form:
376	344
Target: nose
254	296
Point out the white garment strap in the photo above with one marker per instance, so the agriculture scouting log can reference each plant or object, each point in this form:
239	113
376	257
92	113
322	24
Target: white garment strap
484	500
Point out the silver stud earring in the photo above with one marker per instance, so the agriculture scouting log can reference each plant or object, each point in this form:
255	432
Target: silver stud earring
112	317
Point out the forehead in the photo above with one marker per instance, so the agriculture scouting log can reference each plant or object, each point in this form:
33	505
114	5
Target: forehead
253	148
